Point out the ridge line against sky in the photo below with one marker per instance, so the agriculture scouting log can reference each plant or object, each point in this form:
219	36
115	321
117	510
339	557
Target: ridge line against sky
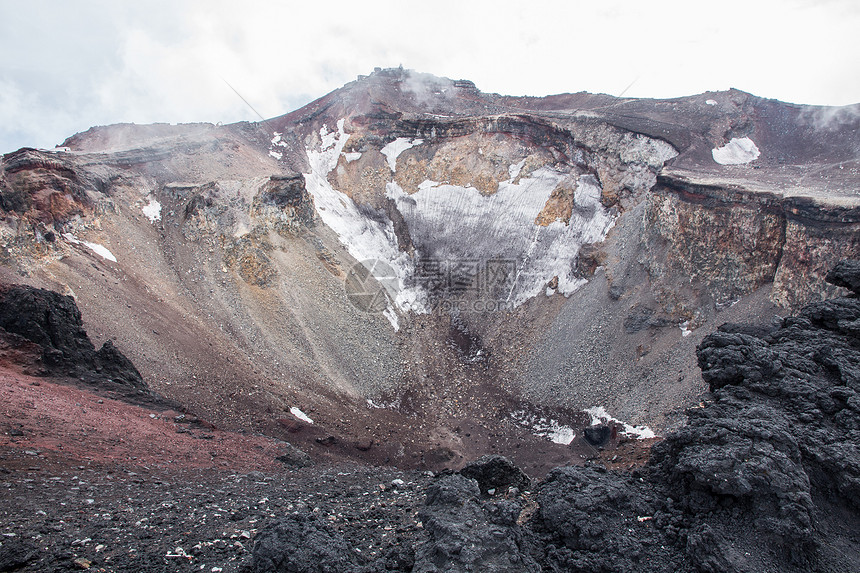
71	65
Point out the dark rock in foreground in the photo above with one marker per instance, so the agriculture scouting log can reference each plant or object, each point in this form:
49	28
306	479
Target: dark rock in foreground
846	274
15	554
301	542
764	477
466	534
594	520
496	473
53	321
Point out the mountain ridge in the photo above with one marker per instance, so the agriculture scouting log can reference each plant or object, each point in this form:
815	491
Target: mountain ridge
233	244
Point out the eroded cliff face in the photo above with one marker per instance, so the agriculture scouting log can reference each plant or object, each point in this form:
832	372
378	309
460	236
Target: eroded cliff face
532	257
520	192
729	242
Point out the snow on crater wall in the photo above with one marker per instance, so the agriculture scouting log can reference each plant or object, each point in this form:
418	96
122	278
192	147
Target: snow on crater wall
152	210
599	415
456	223
364	238
451	223
393	150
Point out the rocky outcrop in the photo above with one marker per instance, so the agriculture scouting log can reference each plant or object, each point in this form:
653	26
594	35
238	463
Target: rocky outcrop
594	520
727	241
283	204
467	534
294	457
846	274
43	187
301	543
42	196
817	236
495	474
752	480
238	215
53	321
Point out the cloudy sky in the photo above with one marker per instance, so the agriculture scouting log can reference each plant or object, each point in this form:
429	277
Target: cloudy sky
69	65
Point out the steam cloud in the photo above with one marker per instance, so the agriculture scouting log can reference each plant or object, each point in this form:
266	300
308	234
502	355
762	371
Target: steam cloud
427	87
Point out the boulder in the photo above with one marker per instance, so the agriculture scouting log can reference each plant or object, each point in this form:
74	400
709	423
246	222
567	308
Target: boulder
301	543
496	472
54	322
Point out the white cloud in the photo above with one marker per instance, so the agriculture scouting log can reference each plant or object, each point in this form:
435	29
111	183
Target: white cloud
72	65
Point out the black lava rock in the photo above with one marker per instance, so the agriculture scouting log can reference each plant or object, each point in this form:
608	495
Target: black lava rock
496	472
846	274
15	554
597	435
466	534
301	543
595	520
764	477
53	321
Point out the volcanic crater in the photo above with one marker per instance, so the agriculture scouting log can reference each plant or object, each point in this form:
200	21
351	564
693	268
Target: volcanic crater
409	274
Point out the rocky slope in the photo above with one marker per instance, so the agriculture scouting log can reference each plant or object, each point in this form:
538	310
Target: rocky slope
533	257
763	477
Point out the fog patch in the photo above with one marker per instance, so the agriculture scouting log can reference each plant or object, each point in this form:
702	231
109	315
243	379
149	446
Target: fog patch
821	117
427	87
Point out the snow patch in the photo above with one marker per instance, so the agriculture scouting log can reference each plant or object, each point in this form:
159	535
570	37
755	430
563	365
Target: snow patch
393	150
515	168
545	428
711	102
393	405
502	226
563	435
736	152
152	210
638	148
279	142
98	249
685	328
600	416
365	239
392	318
300	415
354	156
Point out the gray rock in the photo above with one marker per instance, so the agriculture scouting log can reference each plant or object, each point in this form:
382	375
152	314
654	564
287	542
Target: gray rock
294	457
300	544
466	534
846	274
496	472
